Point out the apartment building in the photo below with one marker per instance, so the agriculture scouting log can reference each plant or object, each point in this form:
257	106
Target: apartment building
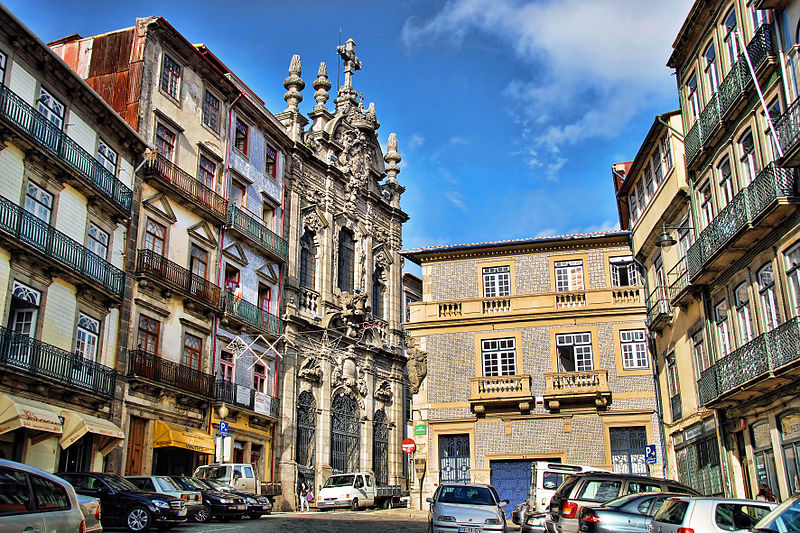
529	350
67	203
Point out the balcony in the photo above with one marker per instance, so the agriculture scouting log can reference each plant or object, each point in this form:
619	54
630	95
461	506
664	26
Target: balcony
69	257
168	177
21	352
173	277
499	391
787	126
748	217
730	95
248	315
659	312
680	290
142	364
760	367
308	301
576	389
93	179
254	229
245	397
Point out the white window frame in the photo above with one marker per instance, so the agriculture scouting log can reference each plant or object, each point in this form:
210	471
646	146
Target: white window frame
673	380
38	202
792	258
87	337
633	344
655	163
178	76
723	328
706	203
496	281
766	291
702	360
569	275
98	240
747	158
618	264
725	181
666	152
499	357
107	157
731	43
51	107
580	345
711	71
741	298
693	97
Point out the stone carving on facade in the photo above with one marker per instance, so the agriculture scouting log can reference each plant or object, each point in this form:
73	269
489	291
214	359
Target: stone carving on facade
313	219
311	370
384	392
354	310
322	86
417	364
347	376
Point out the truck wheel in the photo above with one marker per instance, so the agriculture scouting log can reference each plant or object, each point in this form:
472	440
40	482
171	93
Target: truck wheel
354	504
387	504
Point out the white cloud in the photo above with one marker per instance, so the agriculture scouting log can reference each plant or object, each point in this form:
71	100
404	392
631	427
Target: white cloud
594	64
415	141
457	199
606	225
456	140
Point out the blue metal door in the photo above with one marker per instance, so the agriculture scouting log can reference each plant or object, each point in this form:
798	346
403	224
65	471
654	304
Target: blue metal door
512	479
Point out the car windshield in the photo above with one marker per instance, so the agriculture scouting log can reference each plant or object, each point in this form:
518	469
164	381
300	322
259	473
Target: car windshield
119	483
784	518
213	472
166	483
191	483
340	481
468	495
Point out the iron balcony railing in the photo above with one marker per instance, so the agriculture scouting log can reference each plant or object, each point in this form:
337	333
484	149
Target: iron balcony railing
49	136
771	183
142	364
730	90
234	394
252	314
657	305
36	233
174	276
41	359
164	169
678	278
766	353
787	126
255	229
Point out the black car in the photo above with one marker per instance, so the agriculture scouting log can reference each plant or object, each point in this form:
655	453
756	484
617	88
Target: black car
216	504
256	505
124	504
632	513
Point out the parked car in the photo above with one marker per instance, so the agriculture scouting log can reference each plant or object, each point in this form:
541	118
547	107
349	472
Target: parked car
124	504
165	485
467	508
216	504
534	523
709	515
90	507
590	489
784	518
34	500
257	506
357	490
518	512
626	514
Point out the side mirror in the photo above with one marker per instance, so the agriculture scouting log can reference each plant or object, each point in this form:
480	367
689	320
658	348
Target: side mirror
429	500
503	503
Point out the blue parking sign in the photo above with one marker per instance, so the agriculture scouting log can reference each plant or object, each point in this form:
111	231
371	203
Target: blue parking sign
650	454
223	429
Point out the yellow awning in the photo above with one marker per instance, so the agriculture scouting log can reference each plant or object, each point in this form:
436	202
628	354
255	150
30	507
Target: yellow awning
168	434
76	425
18	412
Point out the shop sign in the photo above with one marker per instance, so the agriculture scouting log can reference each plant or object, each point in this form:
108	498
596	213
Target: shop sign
262	403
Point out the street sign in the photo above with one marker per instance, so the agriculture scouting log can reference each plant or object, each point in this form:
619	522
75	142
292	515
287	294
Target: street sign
408	445
223	429
650	454
419	467
420	429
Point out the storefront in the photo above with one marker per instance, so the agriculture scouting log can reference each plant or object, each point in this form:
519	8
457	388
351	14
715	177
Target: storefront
178	450
85	441
698	458
248	441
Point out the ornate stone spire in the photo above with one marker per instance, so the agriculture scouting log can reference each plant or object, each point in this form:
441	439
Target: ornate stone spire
351	62
392	158
294	84
321	85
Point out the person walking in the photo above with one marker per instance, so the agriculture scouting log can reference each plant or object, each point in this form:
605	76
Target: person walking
765	494
304	494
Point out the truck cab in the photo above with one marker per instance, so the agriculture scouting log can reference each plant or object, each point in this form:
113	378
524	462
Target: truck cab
241	476
354	490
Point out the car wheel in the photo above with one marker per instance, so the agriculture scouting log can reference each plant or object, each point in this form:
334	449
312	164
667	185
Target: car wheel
387	504
354	504
255	516
138	519
203	515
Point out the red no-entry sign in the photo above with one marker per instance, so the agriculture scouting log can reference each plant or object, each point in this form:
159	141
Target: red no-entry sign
408	445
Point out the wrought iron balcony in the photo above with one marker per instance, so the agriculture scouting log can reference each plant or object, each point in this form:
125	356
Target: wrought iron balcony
787	126
255	230
747	210
170	177
500	390
142	364
41	359
57	247
678	279
239	395
573	388
659	311
46	135
173	277
248	314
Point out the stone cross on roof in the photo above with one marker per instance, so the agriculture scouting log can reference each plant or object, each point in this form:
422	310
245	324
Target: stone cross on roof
351	63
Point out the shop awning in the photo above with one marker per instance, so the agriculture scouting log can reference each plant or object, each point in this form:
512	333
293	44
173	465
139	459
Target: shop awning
76	425
18	413
169	434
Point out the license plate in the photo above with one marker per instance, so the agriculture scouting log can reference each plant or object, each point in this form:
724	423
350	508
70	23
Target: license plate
239	507
469	529
182	512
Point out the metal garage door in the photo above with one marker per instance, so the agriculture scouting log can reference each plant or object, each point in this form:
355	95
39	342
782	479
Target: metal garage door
512	479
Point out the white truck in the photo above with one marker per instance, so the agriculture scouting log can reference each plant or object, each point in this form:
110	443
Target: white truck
241	476
356	490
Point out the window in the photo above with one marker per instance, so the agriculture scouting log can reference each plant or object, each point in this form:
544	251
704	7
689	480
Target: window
731	43
640	194
107	157
693	98
766	291
706	205
633	203
666	152
789	425
377	293
15	497
346	251
648	182
308	254
267	214
154	237
191	351
232	276
237	195
569	275
49	496
86	337
742	301
264	297
170	76
725	177
747	158
198	261
499	357
710	59
674	387
655	163
97	241
270	156
165	141
260	381
206	171
793	275
774	109
574	352
38	202
701	358
210	111
51	108
149	330
764	456
634	349
627	450
3	60
623	271
226	366
684	236
723	334
496	281
241	136
758	16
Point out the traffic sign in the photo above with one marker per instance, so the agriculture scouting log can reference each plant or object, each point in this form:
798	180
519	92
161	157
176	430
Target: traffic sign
408	445
650	454
223	429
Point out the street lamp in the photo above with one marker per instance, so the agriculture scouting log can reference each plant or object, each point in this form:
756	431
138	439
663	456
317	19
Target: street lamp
665	240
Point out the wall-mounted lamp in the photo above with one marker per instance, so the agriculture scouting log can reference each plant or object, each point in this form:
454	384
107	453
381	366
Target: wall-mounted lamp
665	240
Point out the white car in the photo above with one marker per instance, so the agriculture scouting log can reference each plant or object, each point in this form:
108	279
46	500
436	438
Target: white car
469	508
708	515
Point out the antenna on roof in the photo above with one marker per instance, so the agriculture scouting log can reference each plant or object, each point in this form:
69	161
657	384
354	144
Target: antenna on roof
338	61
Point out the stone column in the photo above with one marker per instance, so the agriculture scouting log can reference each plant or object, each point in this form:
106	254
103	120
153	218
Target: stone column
323	447
285	445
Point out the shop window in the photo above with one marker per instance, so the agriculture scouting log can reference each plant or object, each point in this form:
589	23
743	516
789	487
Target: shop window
574	352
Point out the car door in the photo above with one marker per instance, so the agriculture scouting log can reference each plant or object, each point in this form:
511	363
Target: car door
249	480
370	490
358	486
16	507
59	513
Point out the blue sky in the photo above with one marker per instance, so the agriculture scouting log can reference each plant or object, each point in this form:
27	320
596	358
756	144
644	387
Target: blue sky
508	113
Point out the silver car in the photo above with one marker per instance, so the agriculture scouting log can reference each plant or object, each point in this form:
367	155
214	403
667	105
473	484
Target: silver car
35	500
90	507
709	515
472	508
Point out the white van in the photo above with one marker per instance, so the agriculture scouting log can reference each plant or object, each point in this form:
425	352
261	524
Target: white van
356	490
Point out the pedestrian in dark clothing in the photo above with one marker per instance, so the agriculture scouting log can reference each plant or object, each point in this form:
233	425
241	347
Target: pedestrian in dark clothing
765	494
